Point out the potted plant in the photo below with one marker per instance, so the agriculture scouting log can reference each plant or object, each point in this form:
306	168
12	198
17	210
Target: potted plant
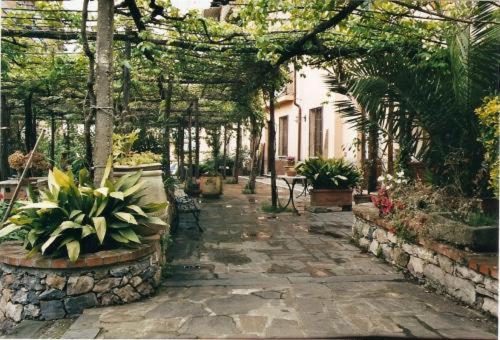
332	180
73	217
18	161
210	182
126	161
290	167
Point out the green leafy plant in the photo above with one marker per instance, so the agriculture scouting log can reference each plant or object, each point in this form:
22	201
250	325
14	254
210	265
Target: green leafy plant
427	100
71	218
138	158
14	236
489	135
209	168
123	154
334	173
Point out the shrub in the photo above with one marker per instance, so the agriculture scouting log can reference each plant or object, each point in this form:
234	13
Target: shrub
489	134
334	173
72	218
123	154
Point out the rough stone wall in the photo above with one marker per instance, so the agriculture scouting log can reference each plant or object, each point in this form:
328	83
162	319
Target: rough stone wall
48	294
447	275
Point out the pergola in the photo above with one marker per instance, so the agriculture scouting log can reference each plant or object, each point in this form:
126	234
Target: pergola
182	72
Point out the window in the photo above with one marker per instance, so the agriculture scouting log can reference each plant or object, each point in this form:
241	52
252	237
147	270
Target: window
316	132
283	136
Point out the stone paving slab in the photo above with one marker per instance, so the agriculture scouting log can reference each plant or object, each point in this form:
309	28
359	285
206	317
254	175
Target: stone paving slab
252	274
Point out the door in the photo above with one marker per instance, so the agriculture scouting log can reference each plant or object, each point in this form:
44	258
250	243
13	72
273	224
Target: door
283	136
316	132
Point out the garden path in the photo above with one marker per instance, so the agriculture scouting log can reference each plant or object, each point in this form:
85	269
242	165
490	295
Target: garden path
256	274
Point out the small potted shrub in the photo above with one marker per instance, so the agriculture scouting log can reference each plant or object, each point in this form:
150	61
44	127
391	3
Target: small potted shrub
210	182
18	161
290	167
332	180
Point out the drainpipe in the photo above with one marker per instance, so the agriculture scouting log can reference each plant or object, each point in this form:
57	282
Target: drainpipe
299	132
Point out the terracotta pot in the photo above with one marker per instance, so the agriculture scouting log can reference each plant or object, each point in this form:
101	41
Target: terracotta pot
211	186
290	170
154	191
332	197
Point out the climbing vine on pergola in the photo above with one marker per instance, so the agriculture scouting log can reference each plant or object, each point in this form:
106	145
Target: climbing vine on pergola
173	71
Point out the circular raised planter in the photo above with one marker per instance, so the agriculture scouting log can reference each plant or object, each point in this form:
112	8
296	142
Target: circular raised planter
41	288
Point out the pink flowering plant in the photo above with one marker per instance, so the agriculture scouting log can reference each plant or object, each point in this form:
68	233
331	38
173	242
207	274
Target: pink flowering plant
382	200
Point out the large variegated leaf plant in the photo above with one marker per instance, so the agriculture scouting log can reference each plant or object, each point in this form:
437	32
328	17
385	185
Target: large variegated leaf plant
72	218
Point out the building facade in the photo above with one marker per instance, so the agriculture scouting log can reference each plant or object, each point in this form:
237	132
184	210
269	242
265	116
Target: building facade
308	122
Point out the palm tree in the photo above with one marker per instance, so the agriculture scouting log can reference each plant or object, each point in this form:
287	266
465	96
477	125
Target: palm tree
428	105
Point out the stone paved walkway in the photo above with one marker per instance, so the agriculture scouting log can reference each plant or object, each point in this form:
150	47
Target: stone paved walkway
254	274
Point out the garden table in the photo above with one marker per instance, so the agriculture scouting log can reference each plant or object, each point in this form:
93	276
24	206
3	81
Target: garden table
291	181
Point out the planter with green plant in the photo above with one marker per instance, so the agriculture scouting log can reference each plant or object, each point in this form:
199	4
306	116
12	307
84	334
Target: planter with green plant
332	180
17	161
126	161
210	181
72	217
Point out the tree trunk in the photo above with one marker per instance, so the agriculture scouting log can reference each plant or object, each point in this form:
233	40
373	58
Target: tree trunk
167	97
190	145
254	145
126	79
271	149
181	149
390	141
28	122
197	139
67	139
5	141
224	153
405	141
236	169
89	116
104	95
372	151
52	138
363	150
33	127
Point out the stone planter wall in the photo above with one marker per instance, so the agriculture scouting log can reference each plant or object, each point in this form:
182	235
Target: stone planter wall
45	289
471	278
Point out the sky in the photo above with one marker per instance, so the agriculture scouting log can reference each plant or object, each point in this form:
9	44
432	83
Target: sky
183	5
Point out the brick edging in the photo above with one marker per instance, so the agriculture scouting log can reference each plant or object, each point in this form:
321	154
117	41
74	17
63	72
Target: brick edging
12	253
